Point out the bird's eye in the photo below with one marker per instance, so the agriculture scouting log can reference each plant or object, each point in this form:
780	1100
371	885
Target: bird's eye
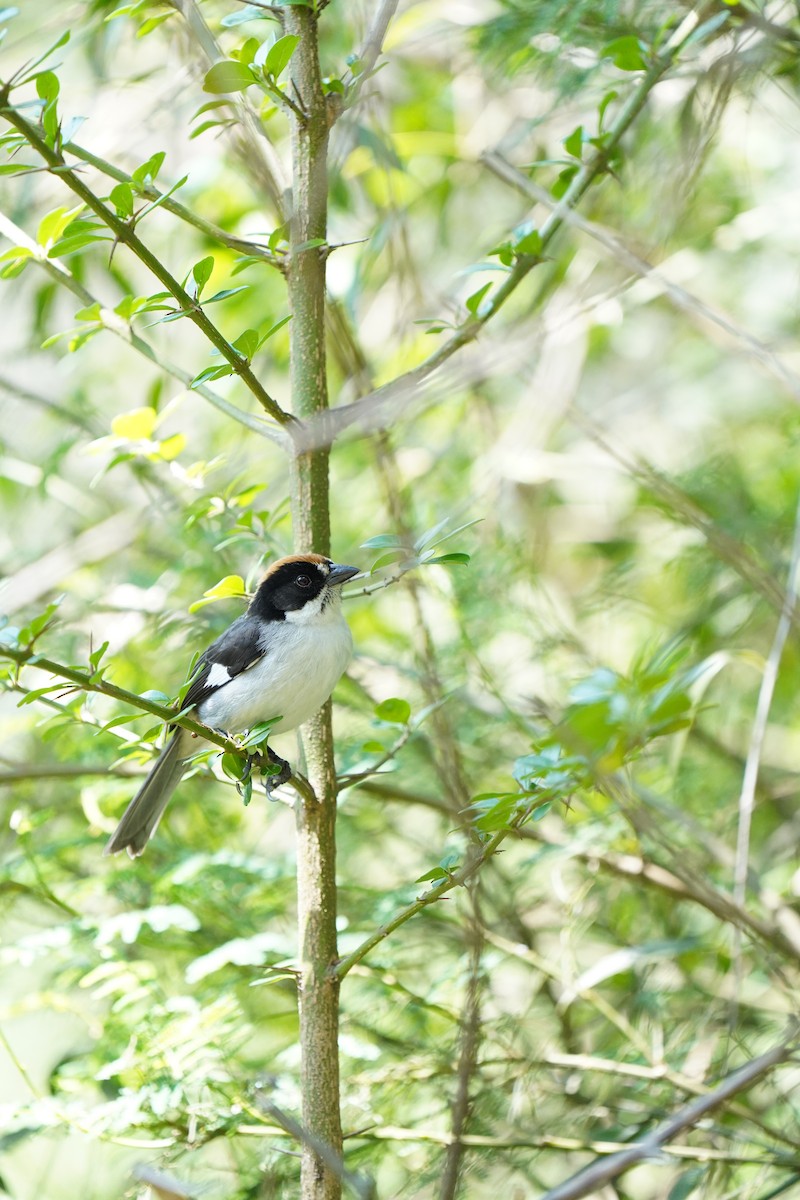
303	581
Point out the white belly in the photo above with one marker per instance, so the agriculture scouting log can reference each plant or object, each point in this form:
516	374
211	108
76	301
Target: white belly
300	668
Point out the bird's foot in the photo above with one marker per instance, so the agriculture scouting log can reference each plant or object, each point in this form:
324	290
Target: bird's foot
277	778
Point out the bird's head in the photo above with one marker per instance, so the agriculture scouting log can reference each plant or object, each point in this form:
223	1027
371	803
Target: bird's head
300	588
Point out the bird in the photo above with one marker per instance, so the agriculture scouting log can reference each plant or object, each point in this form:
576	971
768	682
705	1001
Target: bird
282	658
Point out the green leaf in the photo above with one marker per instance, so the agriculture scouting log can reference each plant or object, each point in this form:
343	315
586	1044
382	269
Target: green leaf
563	180
530	243
228	76
434	875
47	85
280	54
225	293
233	765
573	144
247	343
473	301
121	197
248	13
210	373
231	585
52	226
274	329
248	50
382	540
147	172
259	734
69	245
96	655
201	272
603	106
456	558
687	1182
626	53
153	23
393	711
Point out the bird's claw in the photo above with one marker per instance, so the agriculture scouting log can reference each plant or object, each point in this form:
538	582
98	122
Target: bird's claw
277	779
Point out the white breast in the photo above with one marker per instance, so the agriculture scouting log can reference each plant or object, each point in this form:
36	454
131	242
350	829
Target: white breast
303	660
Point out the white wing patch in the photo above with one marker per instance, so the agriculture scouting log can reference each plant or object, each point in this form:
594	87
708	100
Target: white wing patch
218	675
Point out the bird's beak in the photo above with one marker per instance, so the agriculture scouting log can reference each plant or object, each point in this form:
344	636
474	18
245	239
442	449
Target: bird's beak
339	574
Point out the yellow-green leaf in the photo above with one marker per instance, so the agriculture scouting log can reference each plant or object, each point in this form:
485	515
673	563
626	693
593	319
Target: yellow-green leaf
135	425
171	447
231	585
53	225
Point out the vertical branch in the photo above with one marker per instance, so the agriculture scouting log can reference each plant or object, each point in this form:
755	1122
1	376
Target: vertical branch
316	846
470	1040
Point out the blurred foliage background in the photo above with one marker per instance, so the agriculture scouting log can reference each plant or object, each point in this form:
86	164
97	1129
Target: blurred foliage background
615	455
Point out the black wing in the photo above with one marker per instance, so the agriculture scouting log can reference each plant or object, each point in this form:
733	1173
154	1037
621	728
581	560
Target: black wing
234	651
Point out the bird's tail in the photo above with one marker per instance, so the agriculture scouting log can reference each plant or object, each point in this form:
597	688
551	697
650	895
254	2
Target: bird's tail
141	817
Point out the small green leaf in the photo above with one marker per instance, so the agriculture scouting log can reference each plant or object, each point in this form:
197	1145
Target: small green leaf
52	226
153	23
233	766
563	180
228	76
274	329
373	747
201	272
225	293
96	655
279	55
210	373
70	245
393	711
456	558
259	734
473	301
437	873
383	540
121	197
248	13
603	106
231	585
147	172
626	53
247	53
530	243
574	143
47	85
247	343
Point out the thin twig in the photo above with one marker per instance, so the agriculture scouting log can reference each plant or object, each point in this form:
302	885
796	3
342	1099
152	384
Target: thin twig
361	1186
188	215
592	1178
116	324
747	796
93	683
124	232
434	893
382	404
638	266
782	934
